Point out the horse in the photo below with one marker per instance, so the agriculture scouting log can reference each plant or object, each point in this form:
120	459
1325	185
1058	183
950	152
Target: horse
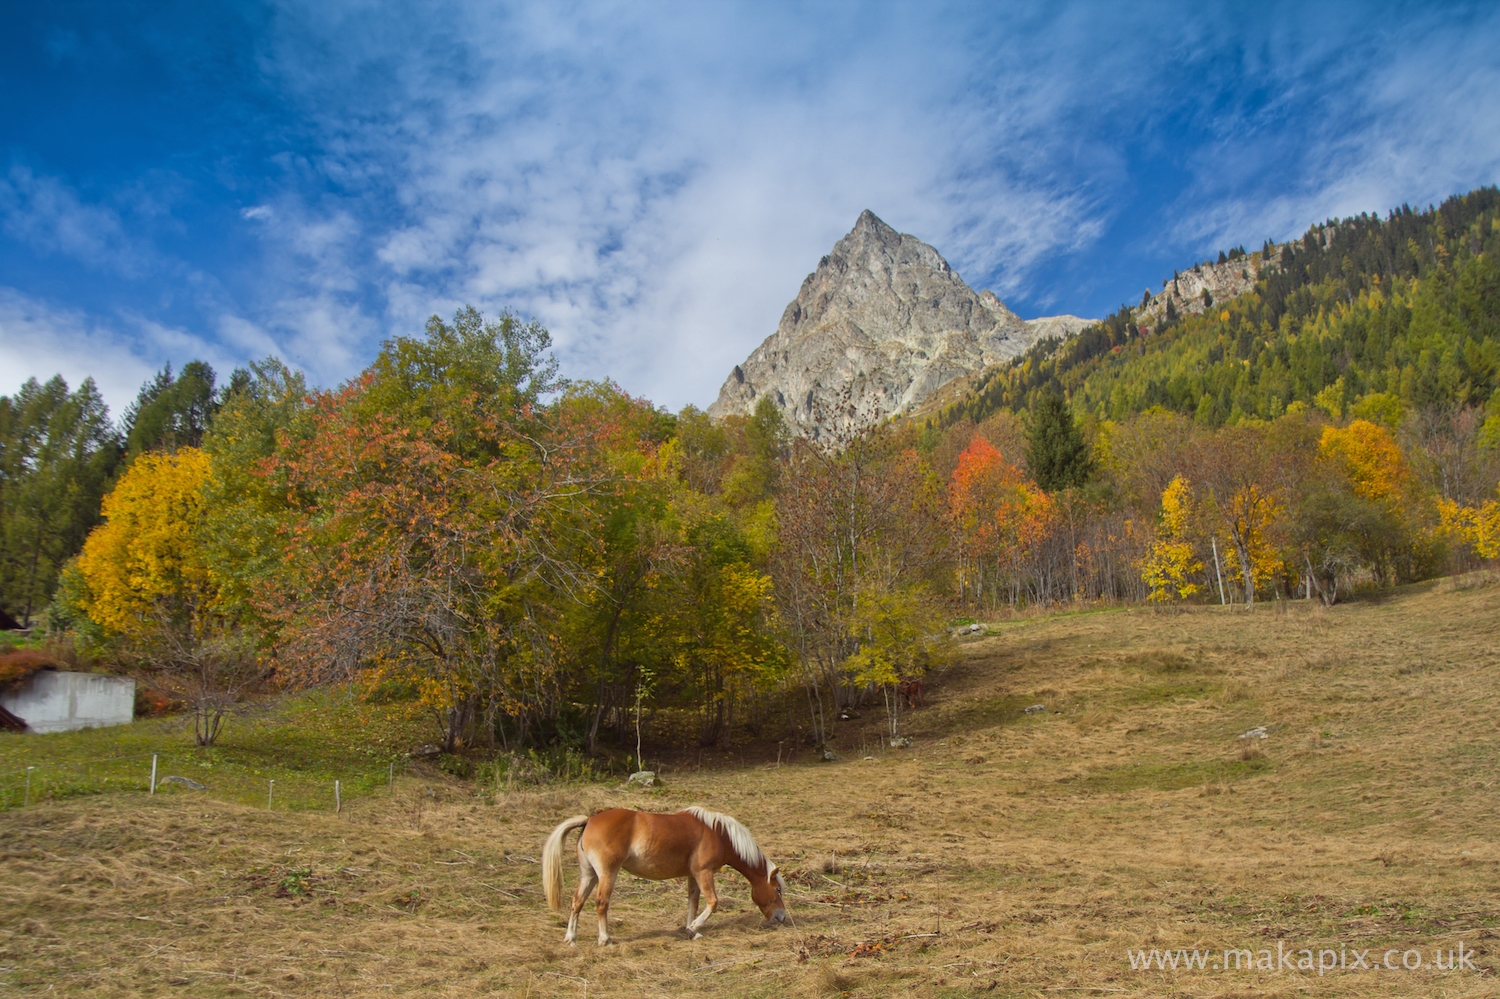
694	843
912	690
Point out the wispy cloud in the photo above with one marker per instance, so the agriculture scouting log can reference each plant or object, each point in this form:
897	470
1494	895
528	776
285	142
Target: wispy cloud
1344	121
49	216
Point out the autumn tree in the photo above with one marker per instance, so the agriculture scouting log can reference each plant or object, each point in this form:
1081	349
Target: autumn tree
862	518
1361	508
440	516
147	586
1247	474
896	640
1477	526
1172	564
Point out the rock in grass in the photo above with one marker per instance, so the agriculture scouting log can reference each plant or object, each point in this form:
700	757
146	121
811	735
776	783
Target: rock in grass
829	756
1037	709
184	781
900	742
644	778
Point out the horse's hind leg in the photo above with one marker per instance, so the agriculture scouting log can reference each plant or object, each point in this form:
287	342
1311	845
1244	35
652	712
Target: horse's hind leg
587	878
606	888
693	891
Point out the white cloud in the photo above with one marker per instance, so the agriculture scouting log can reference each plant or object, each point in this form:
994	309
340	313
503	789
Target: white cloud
256	212
38	341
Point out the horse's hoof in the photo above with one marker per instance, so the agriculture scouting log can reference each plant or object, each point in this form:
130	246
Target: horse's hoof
697	936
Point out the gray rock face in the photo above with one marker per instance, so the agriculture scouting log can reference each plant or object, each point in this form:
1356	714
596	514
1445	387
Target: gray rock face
879	326
1185	291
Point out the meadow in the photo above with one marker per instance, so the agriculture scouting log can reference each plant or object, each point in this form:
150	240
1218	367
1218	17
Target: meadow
1005	853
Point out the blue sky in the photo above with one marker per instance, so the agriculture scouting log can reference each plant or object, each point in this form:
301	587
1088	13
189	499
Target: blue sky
653	181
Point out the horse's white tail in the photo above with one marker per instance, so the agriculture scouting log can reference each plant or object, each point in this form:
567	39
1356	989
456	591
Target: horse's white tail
552	875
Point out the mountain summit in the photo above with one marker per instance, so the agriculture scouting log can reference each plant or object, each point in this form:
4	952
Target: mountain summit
882	324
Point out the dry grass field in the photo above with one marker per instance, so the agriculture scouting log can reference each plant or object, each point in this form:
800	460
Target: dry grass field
1004	854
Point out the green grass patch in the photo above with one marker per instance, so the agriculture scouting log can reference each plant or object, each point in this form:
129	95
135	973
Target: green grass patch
303	743
973	715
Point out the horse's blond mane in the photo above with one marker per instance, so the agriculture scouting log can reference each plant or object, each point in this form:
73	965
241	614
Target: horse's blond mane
739	837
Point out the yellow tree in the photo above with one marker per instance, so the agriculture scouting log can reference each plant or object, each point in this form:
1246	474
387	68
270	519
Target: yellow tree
147	586
895	631
1368	457
143	564
1171	562
1245	472
1476	526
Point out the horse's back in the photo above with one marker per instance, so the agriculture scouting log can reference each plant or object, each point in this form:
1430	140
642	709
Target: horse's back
647	844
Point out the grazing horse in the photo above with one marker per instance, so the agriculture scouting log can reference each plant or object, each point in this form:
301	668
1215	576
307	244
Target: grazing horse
912	689
693	844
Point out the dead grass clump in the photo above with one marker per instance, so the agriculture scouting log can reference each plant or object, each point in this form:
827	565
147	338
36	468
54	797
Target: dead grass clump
1093	720
828	980
1250	749
1236	691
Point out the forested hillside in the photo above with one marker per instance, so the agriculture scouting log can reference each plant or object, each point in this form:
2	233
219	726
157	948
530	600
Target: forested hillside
531	562
1370	315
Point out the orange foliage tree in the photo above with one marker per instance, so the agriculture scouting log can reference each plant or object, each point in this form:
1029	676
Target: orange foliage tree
1002	524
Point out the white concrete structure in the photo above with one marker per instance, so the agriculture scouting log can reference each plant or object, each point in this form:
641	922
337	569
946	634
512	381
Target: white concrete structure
53	701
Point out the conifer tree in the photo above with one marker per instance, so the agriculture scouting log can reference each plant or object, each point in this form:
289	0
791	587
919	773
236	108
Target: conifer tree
1055	450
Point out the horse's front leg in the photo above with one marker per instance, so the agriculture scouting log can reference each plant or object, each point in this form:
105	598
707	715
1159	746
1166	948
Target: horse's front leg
705	879
692	890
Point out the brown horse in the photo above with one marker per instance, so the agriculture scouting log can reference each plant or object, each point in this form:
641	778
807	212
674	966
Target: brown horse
694	844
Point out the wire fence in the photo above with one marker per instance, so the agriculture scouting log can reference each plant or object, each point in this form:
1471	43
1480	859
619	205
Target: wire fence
181	770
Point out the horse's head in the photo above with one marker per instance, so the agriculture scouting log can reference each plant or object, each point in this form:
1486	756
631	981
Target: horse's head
767	891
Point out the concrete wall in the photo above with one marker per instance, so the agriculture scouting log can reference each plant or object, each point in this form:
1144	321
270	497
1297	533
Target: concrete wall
53	701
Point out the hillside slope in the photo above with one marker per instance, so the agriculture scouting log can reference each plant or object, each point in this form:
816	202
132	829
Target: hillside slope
1402	311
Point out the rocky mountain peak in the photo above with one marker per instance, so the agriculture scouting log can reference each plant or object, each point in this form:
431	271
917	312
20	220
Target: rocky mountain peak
876	328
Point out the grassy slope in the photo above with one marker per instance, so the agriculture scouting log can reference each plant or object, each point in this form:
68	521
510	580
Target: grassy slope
1024	851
